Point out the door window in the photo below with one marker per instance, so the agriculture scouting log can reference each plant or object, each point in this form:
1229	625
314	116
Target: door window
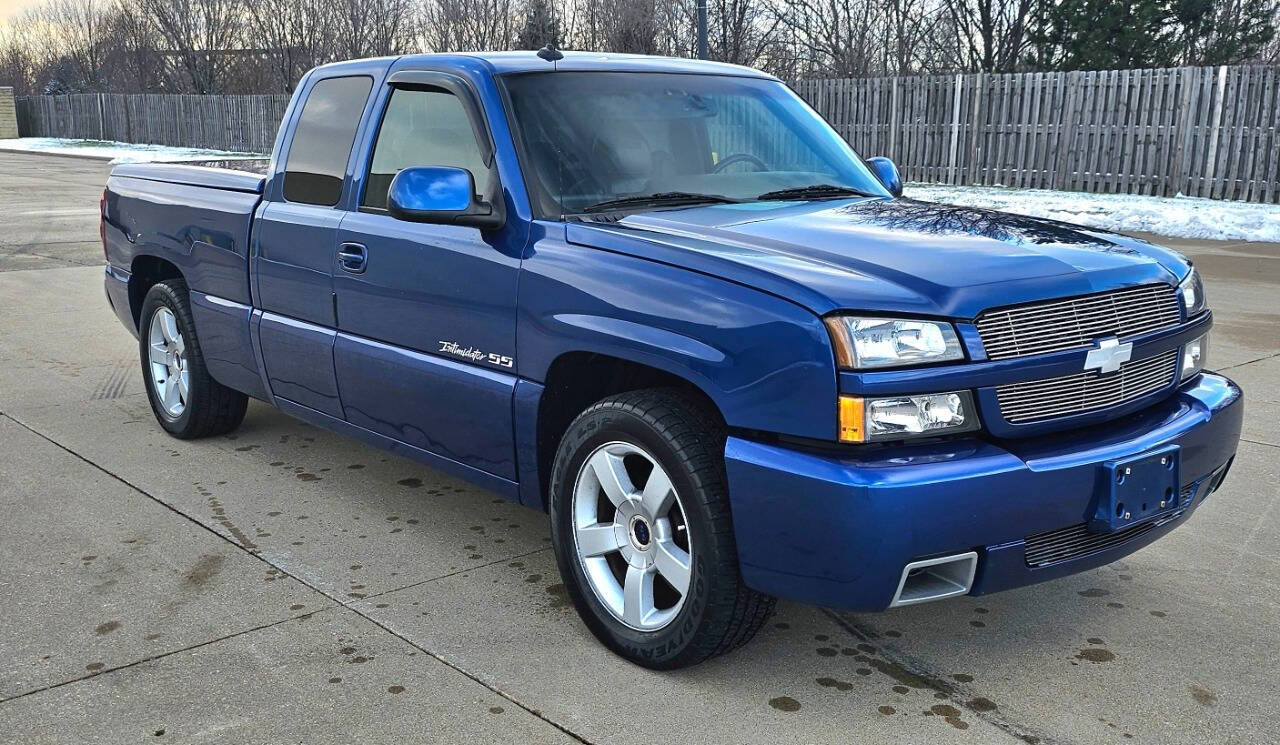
421	127
323	138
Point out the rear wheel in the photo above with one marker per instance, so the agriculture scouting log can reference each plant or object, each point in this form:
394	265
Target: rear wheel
185	400
642	531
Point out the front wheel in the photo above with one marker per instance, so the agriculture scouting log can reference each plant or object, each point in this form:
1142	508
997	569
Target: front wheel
642	531
185	400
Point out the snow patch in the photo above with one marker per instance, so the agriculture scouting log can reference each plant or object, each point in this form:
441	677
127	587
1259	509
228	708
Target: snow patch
116	152
1178	217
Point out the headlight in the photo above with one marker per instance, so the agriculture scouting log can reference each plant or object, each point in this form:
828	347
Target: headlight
867	343
1192	291
898	417
1194	355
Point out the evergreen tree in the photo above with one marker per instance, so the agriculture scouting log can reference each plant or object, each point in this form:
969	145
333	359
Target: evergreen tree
1104	35
540	26
1223	32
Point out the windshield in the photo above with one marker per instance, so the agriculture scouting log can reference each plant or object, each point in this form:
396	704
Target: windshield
593	138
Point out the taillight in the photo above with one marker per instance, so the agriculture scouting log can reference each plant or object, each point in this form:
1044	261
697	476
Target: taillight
102	222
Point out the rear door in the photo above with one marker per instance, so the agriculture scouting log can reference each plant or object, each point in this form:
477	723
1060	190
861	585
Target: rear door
295	238
426	323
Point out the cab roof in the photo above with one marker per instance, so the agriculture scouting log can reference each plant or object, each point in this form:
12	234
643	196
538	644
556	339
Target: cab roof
511	63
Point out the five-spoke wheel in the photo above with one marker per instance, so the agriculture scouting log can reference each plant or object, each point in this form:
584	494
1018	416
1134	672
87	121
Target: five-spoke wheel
167	353
185	398
642	532
632	536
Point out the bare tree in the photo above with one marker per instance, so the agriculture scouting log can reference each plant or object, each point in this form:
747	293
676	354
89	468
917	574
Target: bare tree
296	35
990	35
18	61
372	28
197	35
468	25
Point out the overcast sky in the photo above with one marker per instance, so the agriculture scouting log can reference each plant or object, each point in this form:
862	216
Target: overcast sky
9	7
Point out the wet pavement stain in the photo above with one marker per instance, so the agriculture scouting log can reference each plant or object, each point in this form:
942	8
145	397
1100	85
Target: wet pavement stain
981	704
106	628
898	673
1094	640
1094	592
785	703
1095	655
827	651
335	680
220	514
559	595
496	710
1203	696
411	483
304	476
395	689
94	667
962	677
901	689
950	714
892	634
1159	613
887	710
1115	605
839	685
206	568
977	624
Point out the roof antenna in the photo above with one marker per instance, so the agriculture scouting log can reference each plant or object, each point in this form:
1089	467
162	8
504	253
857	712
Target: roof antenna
550	53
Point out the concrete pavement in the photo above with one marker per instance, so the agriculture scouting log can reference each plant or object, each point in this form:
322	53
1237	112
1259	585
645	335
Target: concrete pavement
283	584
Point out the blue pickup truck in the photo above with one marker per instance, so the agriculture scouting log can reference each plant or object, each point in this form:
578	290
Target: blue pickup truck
664	302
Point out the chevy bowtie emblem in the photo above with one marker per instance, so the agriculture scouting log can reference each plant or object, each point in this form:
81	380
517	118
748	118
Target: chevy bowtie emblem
1108	356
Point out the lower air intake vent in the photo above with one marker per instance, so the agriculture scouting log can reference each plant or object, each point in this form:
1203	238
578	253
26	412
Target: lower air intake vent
1076	541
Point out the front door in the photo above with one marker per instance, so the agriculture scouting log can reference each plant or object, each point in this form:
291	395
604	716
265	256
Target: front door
426	317
295	236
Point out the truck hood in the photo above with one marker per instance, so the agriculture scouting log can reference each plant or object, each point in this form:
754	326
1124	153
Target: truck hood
888	255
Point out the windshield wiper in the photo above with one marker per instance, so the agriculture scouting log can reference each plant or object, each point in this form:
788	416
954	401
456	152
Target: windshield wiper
661	199
814	191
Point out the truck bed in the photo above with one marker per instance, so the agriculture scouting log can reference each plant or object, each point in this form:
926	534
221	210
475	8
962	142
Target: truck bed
197	218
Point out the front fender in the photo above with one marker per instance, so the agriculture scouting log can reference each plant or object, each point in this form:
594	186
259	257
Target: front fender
765	362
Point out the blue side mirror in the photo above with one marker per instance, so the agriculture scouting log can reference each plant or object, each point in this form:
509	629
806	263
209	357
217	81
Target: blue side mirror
887	172
442	195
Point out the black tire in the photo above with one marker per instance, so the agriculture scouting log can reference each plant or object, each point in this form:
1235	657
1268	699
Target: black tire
719	612
211	408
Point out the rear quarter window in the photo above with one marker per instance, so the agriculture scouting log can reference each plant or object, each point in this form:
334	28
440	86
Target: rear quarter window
322	140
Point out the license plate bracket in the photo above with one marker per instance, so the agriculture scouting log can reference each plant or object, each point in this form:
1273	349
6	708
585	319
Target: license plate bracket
1138	489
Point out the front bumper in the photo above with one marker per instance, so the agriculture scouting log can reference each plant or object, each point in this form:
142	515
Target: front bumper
837	530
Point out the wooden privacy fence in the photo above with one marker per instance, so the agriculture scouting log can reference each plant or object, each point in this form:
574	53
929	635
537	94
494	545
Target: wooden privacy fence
1200	131
242	123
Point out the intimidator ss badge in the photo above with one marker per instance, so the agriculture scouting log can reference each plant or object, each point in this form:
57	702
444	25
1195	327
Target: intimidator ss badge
472	354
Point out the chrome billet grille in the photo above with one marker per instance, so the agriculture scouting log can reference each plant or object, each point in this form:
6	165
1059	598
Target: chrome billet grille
1050	398
1077	322
1063	544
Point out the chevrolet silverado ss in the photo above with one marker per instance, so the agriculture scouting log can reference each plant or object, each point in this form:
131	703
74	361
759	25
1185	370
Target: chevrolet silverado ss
664	302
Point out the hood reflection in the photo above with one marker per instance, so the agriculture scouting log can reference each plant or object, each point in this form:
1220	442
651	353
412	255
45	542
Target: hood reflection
909	215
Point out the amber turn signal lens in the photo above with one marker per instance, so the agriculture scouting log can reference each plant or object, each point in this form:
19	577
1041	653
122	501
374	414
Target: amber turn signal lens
852	420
